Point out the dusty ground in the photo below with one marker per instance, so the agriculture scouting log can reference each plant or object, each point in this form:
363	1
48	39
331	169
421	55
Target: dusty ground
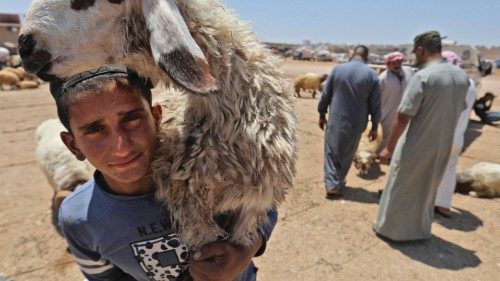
315	239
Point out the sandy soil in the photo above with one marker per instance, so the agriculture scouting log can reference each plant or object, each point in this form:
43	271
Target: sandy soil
315	239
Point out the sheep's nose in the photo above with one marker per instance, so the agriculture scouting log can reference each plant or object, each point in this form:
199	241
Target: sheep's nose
26	45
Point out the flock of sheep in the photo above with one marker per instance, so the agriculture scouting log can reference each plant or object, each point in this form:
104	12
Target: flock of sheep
17	78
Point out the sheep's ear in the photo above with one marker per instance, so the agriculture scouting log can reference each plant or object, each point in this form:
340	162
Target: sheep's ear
174	49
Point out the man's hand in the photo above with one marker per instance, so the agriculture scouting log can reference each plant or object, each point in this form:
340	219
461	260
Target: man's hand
221	261
372	135
322	123
385	156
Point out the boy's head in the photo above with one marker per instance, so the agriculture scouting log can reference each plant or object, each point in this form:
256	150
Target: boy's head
110	122
67	91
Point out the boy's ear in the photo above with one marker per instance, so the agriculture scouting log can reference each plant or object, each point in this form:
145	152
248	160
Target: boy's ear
157	114
69	140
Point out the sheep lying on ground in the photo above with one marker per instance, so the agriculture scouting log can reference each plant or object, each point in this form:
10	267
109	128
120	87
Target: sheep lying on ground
234	149
19	71
24	80
366	153
308	82
27	84
60	167
480	180
8	78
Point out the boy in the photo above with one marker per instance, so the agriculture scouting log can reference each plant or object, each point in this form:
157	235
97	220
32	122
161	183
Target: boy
114	226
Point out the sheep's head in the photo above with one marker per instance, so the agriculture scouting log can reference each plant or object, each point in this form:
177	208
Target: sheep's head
363	162
64	37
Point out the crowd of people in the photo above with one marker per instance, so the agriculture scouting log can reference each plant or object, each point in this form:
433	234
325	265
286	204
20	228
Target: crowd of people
424	115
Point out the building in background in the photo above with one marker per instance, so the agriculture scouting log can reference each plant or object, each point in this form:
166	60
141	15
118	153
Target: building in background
10	24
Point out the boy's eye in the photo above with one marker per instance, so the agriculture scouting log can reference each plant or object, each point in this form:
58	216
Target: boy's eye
93	129
130	118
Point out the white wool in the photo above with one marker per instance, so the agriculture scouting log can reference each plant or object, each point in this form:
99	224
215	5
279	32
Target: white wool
483	177
228	144
59	165
366	152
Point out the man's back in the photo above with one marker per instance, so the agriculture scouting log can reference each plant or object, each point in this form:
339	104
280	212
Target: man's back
436	110
349	87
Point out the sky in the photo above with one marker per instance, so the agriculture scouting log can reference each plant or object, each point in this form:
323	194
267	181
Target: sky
475	22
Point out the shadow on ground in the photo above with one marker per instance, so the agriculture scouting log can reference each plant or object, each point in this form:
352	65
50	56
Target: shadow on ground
438	253
461	220
472	133
359	194
374	173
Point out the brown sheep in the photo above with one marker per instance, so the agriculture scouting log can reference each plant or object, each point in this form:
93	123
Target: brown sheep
27	84
309	81
8	77
19	71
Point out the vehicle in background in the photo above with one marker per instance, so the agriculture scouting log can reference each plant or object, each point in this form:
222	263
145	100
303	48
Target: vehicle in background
324	55
303	53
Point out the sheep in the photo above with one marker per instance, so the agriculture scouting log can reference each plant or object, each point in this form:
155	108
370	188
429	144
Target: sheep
8	77
366	152
27	84
14	61
480	180
60	167
234	149
309	81
19	71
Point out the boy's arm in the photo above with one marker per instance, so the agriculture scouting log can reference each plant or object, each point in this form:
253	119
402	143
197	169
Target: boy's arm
223	261
92	265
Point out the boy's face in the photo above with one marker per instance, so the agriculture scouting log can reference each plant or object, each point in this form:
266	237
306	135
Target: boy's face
116	131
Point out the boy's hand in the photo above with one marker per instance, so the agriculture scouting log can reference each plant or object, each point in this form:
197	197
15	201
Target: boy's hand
221	261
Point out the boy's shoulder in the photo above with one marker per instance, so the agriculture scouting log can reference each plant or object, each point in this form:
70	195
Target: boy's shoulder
75	207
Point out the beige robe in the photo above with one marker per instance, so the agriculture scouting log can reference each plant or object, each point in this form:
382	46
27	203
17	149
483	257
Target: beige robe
434	98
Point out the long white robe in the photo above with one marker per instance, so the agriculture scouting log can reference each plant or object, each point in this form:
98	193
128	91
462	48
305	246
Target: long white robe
391	93
448	183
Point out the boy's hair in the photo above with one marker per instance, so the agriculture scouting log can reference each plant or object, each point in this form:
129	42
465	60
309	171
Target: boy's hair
67	92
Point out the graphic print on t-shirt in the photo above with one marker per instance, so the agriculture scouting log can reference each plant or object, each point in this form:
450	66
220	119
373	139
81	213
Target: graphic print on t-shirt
163	258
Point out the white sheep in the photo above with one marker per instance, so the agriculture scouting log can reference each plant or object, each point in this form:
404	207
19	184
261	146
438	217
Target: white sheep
366	153
60	167
234	149
308	82
480	180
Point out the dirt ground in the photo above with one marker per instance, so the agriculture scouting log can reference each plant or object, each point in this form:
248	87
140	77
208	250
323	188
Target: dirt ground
315	239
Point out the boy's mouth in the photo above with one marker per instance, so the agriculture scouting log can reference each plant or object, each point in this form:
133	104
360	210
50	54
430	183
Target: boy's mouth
126	161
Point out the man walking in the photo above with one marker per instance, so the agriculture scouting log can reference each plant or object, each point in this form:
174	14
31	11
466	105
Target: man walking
426	122
351	93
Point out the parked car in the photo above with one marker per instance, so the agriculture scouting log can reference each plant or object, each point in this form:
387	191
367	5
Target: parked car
497	62
303	54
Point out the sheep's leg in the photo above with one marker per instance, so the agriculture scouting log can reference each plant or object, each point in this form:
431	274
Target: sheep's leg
314	94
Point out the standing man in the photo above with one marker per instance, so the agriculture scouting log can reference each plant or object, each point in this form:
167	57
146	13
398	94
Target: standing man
351	93
393	82
426	122
449	181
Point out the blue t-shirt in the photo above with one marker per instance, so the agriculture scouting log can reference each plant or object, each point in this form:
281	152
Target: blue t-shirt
116	237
